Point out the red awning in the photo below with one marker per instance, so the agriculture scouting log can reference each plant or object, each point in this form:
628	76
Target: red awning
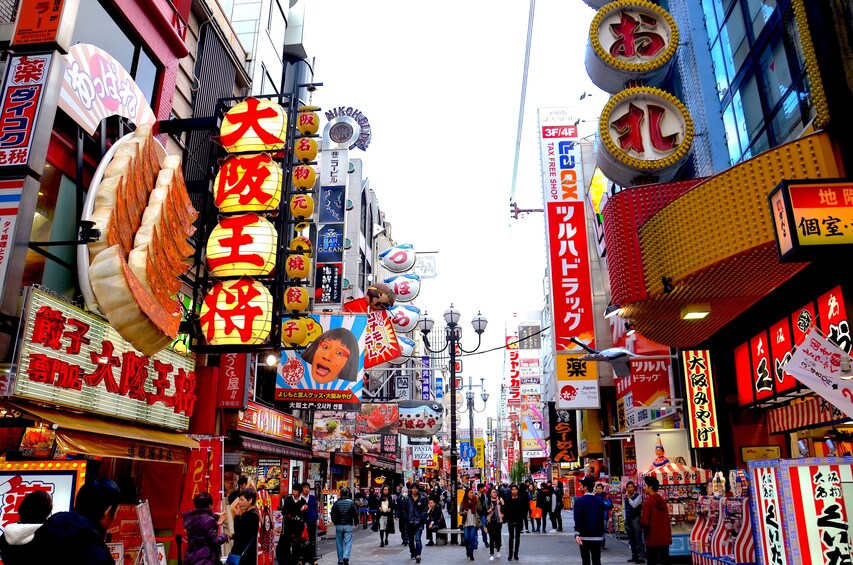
678	474
810	413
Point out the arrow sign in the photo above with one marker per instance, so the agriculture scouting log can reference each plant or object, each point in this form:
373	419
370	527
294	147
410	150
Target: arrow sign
817	364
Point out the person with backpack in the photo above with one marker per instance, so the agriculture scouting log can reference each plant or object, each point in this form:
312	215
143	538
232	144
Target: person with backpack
543	504
344	516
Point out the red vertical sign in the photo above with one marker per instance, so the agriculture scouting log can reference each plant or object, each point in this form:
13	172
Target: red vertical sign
232	381
762	374
704	429
832	318
780	350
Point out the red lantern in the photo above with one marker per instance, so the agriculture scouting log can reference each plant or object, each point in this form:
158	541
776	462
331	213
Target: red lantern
242	245
253	125
237	312
248	183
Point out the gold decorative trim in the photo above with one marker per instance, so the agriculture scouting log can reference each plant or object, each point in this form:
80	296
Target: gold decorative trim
821	119
625	66
633	162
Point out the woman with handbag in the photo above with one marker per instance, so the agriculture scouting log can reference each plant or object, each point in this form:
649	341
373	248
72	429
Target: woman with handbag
384	524
244	549
470	510
293	528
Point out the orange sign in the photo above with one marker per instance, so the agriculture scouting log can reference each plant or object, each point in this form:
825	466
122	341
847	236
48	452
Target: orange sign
38	21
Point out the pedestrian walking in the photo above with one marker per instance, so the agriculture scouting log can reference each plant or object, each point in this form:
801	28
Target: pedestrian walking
401	515
557	506
589	523
293	511
527	493
434	520
515	514
344	516
481	494
470	511
543	504
504	492
633	509
16	546
77	537
494	523
604	497
416	509
384	524
535	511
246	522
656	527
372	505
203	536
312	514
242	482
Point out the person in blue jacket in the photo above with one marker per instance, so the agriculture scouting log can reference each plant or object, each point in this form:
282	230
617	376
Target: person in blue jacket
311	516
589	523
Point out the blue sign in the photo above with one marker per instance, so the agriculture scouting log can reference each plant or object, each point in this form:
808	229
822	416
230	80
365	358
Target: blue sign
330	243
439	387
426	376
332	204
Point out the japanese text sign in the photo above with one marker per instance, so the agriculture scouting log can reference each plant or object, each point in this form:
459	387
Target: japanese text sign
38	21
817	508
329	374
10	200
70	358
699	376
809	214
513	374
60	479
20	101
577	383
767	516
380	341
817	363
564	435
264	421
233	392
426	377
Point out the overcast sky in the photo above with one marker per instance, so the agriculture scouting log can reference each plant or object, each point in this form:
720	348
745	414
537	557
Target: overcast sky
440	83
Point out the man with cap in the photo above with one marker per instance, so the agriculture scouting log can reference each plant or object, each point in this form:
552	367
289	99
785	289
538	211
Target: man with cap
655	522
589	523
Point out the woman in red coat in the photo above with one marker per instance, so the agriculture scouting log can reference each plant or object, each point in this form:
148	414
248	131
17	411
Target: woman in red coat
656	527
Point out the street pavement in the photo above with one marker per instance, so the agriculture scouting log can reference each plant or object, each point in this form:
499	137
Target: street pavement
556	547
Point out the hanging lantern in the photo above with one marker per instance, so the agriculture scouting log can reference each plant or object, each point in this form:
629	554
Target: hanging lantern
301	208
253	125
308	121
304	177
237	312
242	245
293	332
405	287
313	330
297	266
306	149
296	298
404	317
248	183
300	243
399	258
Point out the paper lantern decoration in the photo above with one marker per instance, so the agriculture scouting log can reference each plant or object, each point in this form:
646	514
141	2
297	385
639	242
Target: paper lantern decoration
406	287
297	266
237	312
293	332
306	149
242	245
408	346
302	208
399	258
253	126
248	183
296	298
308	121
404	317
300	243
380	296
304	177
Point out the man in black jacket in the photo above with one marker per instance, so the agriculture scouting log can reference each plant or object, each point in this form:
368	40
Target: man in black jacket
589	523
543	503
344	516
633	510
77	537
399	503
416	510
515	513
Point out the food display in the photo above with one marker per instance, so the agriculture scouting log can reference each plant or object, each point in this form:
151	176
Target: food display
144	216
334	431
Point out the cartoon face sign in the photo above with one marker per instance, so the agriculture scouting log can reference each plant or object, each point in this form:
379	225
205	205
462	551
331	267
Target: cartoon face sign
334	355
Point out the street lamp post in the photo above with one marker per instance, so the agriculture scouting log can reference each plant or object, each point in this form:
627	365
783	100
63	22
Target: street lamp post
469	396
453	333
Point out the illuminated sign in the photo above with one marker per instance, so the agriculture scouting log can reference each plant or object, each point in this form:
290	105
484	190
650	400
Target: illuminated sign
68	357
513	372
248	183
699	377
253	125
348	128
60	479
236	313
812	218
38	22
20	102
242	246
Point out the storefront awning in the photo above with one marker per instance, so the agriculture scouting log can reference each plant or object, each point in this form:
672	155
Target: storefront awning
811	413
253	444
87	435
678	474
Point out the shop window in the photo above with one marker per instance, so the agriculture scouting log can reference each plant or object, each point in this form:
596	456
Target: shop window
760	12
98	27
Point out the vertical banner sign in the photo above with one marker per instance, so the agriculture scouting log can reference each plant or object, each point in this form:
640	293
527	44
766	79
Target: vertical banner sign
331	216
513	373
816	507
704	430
817	364
232	380
564	433
568	258
20	101
10	200
38	22
426	375
768	523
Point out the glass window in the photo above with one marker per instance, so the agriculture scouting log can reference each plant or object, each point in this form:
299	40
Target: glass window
760	145
787	120
731	133
737	36
753	115
760	12
712	21
276	27
146	76
792	37
719	69
94	25
775	72
728	58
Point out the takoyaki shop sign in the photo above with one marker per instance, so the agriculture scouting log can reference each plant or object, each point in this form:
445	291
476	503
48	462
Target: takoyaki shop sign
263	421
69	357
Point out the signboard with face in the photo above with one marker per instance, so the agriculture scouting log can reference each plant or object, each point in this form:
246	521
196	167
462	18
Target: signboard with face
329	374
60	479
69	357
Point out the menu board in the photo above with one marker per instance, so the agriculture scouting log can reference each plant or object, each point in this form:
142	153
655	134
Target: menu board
270	474
146	528
329	498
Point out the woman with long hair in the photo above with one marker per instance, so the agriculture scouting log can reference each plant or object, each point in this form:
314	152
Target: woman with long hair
385	512
471	508
494	523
